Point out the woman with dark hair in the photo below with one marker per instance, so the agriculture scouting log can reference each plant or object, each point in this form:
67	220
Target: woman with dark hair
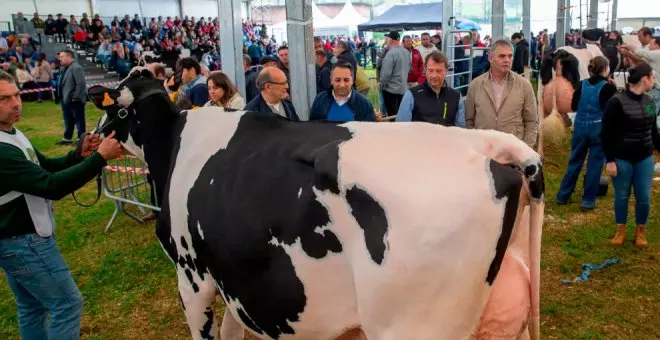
223	93
42	74
629	135
589	100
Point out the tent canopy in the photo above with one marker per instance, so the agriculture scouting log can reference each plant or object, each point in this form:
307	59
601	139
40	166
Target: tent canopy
349	16
319	19
415	17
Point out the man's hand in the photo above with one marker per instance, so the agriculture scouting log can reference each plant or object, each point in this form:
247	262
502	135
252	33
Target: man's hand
90	144
611	169
110	148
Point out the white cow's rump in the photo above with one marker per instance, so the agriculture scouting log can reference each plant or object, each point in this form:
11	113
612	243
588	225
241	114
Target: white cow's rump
444	223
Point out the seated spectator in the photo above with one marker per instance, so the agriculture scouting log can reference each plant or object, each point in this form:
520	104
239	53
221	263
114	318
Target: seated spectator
341	103
80	38
22	75
104	53
18	54
223	93
121	61
195	89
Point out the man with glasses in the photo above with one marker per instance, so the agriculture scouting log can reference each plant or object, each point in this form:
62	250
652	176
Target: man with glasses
273	87
432	101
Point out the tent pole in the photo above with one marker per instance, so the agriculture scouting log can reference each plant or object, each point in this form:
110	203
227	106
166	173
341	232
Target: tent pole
231	36
497	18
303	79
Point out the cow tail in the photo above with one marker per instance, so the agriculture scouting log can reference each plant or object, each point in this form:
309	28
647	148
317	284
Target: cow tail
535	224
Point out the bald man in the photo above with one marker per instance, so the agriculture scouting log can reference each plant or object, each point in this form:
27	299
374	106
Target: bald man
272	98
157	70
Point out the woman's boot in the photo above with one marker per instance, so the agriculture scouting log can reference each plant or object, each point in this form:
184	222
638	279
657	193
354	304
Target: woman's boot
640	237
620	236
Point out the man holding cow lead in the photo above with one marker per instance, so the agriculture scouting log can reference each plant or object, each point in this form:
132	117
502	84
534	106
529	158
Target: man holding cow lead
35	270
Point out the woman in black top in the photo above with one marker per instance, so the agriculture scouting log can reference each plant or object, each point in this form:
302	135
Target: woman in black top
629	135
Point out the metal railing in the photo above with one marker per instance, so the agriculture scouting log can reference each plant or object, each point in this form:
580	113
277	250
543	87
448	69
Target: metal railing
5	26
126	182
447	43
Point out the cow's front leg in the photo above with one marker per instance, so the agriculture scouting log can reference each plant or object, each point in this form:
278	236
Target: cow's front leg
198	305
231	329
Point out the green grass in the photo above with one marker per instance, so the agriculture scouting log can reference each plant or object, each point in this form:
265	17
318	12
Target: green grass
129	285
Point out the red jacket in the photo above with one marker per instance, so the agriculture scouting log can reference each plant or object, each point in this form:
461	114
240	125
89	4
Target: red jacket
80	36
416	74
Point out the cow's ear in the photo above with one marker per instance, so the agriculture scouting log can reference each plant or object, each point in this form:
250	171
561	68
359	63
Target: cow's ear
102	96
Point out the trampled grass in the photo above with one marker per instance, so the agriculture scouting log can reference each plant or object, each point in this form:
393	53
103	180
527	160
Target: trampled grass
129	285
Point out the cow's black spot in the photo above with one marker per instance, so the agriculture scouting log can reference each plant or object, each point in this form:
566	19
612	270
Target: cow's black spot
189	275
536	180
205	332
195	287
184	244
507	183
254	207
163	224
247	321
190	262
371	217
182	262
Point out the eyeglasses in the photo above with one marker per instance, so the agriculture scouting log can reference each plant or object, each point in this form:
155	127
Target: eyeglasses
276	83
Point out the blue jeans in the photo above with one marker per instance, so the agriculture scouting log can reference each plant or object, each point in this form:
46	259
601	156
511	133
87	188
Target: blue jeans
381	103
655	94
640	176
74	113
42	284
585	139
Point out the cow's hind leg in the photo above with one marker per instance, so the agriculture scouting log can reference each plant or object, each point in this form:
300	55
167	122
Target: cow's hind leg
197	299
231	329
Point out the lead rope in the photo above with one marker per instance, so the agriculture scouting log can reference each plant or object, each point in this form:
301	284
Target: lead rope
78	151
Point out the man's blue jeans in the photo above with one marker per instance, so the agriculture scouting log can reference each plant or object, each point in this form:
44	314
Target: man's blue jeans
381	104
585	139
640	176
74	113
42	284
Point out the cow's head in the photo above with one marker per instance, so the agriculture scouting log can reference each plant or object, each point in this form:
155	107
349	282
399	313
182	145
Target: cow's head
120	104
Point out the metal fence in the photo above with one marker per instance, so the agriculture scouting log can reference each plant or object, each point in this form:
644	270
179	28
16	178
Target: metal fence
126	181
5	26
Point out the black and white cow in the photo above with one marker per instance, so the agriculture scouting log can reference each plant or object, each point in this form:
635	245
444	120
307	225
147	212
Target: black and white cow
311	230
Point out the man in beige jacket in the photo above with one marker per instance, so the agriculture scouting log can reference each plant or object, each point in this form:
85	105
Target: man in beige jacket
502	100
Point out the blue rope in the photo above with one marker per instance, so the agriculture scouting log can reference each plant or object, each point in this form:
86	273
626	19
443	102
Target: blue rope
588	267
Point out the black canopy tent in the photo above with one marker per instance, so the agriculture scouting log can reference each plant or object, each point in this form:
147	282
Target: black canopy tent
415	17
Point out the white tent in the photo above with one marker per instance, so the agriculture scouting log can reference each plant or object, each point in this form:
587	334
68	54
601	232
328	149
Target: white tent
319	19
349	18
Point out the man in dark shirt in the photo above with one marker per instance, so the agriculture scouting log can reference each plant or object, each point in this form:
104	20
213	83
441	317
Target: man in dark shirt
323	69
251	73
432	101
34	268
